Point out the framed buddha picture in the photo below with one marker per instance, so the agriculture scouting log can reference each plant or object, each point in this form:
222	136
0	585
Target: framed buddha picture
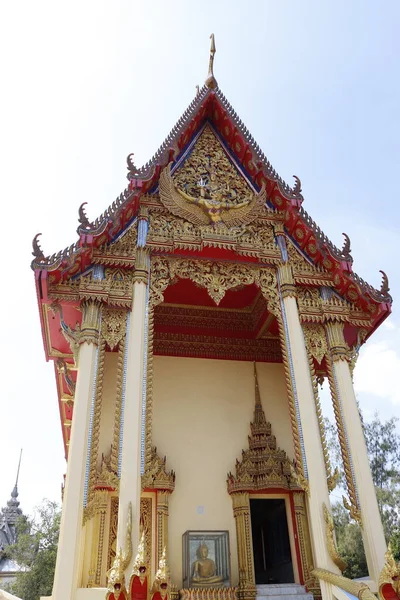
206	559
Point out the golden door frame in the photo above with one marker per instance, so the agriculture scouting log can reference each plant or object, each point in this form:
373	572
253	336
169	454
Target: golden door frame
299	534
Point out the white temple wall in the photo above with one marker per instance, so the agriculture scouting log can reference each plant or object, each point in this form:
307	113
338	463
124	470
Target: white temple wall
201	419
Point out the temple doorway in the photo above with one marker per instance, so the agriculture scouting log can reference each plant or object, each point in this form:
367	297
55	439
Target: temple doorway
271	544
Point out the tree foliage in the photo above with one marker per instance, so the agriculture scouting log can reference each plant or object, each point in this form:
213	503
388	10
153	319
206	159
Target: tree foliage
35	552
383	446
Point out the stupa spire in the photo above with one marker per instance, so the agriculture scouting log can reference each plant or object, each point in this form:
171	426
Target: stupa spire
14	493
211	82
259	416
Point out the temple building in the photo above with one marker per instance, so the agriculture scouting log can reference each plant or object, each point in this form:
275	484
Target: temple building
190	326
9	516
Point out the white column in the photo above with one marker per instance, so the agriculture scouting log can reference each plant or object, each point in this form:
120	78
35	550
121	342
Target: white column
68	565
130	477
372	530
304	396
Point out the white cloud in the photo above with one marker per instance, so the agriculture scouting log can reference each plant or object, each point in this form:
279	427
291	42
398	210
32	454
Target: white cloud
377	371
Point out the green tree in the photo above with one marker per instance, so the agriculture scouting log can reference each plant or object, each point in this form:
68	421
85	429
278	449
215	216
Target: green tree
35	552
383	446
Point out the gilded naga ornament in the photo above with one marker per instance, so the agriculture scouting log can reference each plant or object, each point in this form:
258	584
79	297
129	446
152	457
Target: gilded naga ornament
389	579
138	581
161	585
116	575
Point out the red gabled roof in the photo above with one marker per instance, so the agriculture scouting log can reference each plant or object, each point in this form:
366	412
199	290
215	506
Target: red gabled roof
211	105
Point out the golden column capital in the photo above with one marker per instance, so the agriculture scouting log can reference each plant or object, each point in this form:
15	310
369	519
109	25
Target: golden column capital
142	265
337	344
90	328
286	280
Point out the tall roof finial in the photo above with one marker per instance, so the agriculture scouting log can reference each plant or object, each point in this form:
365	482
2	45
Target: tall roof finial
257	389
19	466
259	422
211	82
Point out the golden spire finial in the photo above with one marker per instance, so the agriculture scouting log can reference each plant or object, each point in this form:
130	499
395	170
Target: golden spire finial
257	389
259	416
211	82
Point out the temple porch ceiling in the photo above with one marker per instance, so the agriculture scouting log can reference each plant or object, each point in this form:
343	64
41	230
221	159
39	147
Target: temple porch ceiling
188	323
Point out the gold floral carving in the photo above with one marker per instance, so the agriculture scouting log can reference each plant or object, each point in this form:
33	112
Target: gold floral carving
225	593
168	233
291	403
305	546
241	513
352	504
216	278
304	271
142	265
156	477
146	528
90	322
95	431
208	158
118	407
113	531
113	326
317	349
390	574
115	289
263	465
112	333
149	389
315	341
338	347
107	474
286	280
357	589
162	522
226	348
314	309
120	253
331	541
100	509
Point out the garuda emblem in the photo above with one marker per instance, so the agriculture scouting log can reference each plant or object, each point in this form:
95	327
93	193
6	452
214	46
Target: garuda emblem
214	204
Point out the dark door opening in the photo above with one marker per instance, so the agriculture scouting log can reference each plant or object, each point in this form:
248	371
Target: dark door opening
271	545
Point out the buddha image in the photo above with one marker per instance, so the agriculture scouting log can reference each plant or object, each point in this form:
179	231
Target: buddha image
204	569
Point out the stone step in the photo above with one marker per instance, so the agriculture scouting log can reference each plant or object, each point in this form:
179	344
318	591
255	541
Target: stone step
275	589
282	591
305	596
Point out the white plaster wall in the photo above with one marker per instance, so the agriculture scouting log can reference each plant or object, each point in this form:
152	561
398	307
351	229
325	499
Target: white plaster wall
201	415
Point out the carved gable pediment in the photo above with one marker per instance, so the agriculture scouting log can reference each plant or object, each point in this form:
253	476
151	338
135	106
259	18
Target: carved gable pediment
208	172
206	187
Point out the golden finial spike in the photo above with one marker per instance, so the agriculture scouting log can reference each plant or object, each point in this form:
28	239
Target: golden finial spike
257	389
211	82
259	416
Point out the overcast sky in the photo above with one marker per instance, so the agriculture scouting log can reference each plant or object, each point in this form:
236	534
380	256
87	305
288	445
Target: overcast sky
86	82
